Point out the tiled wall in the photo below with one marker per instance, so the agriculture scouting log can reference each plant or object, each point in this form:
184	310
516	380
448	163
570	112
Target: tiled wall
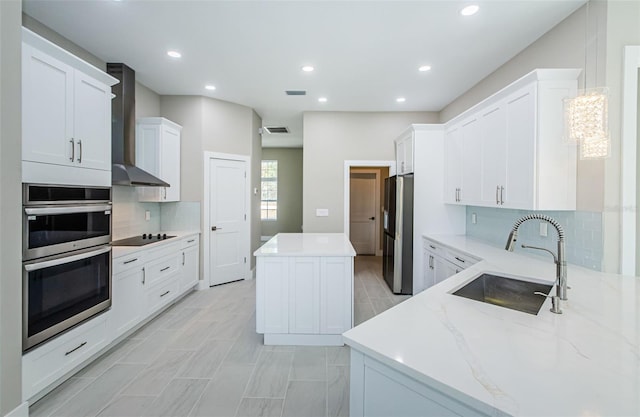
583	232
128	214
182	215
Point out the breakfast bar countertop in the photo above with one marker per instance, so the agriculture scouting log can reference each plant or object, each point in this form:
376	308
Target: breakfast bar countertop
584	362
307	244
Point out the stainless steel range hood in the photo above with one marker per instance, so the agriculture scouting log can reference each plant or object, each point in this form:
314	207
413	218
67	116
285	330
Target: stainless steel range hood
123	129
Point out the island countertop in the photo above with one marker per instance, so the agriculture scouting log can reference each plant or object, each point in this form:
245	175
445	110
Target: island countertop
585	362
307	244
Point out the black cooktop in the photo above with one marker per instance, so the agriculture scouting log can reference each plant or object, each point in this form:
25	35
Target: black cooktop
145	239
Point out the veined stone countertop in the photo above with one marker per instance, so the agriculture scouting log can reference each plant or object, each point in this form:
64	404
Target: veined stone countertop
585	362
307	244
118	251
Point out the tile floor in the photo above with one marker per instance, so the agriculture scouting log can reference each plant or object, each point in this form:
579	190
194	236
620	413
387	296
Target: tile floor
202	357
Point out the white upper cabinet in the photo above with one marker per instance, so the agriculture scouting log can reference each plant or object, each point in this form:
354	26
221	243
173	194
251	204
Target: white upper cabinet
404	154
158	153
513	153
66	114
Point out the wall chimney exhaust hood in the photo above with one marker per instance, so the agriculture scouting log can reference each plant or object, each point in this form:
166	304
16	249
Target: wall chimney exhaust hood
123	128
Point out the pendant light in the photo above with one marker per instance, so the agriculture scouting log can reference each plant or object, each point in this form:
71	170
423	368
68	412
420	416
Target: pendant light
586	115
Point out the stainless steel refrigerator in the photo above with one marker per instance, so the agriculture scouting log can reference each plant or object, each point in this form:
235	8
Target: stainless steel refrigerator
397	251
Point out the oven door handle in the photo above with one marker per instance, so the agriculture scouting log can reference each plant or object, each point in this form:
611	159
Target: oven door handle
65	259
43	211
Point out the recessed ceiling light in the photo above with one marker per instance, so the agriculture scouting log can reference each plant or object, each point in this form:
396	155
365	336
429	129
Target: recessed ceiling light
174	54
210	87
470	10
401	99
424	68
307	68
322	99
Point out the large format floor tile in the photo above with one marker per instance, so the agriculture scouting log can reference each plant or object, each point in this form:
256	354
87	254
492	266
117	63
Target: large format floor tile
202	357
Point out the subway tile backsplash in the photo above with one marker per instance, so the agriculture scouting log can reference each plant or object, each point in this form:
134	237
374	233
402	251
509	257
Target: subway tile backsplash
583	232
181	215
128	214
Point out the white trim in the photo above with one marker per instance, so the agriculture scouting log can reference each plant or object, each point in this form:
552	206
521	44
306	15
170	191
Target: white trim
628	154
208	156
20	411
347	169
377	244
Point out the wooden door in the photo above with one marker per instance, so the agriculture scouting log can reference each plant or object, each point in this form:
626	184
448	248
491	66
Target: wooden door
229	232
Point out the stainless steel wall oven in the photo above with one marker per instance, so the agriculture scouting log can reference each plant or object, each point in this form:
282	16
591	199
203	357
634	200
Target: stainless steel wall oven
66	258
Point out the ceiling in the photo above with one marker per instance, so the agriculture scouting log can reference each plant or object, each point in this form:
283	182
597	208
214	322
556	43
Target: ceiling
366	54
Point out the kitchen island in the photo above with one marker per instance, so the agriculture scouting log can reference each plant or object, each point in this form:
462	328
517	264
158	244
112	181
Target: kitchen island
304	289
456	356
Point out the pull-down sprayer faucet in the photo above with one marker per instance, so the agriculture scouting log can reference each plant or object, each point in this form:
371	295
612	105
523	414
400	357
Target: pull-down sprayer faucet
560	260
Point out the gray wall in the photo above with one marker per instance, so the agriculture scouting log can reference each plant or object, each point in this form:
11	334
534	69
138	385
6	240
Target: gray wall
10	207
256	158
289	191
330	138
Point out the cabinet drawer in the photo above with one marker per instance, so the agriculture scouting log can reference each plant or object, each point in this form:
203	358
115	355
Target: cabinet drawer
461	260
189	242
162	294
125	263
159	270
433	247
45	364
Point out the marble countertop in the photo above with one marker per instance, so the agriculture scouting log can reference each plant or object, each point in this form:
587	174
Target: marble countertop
118	251
307	244
585	362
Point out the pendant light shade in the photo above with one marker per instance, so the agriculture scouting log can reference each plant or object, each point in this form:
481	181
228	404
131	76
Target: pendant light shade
586	122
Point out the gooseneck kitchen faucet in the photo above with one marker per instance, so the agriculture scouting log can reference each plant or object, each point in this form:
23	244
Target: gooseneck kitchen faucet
560	260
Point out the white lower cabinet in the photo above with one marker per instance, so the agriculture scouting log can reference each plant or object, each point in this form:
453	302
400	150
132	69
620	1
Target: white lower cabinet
440	262
142	284
377	390
304	300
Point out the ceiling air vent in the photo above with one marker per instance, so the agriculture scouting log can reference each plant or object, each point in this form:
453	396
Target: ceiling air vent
296	92
276	129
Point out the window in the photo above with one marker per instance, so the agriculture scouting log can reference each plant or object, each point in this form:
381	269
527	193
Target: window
269	197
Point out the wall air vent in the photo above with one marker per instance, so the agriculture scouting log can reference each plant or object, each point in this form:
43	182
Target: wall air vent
296	92
276	129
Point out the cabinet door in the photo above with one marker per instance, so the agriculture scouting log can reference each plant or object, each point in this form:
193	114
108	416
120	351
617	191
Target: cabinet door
127	304
443	269
304	295
170	163
408	145
92	122
400	157
453	165
471	162
148	159
336	295
428	269
521	149
272	295
493	135
47	109
189	268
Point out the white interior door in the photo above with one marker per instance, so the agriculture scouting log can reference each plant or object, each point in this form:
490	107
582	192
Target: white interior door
363	209
229	240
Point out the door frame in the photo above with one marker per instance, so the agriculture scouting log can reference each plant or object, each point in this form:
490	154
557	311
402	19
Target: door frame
206	221
348	164
376	173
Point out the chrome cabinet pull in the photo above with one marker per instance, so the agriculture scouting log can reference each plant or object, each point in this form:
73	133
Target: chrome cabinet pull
144	275
73	150
191	241
163	294
80	151
461	260
182	258
497	191
501	195
432	247
165	268
74	349
130	260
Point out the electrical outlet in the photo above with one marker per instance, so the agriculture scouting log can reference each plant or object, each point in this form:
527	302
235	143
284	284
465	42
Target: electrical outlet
322	212
147	215
474	218
543	229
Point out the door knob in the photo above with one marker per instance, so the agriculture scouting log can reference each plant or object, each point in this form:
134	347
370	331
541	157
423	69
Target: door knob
372	218
214	228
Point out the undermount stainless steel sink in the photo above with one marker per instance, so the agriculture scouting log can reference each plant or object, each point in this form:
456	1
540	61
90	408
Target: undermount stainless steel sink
502	291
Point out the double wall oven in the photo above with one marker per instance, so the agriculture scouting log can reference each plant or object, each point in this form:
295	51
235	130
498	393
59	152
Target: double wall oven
66	274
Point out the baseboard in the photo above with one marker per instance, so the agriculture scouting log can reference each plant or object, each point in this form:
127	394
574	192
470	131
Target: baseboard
202	285
20	411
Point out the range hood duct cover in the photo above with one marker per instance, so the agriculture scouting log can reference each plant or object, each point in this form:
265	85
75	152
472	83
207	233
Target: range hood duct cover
123	128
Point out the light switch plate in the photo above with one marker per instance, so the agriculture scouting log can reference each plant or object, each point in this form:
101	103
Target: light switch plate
322	212
543	229
147	215
474	218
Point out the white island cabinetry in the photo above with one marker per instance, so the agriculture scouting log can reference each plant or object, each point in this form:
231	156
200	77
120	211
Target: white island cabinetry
304	289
